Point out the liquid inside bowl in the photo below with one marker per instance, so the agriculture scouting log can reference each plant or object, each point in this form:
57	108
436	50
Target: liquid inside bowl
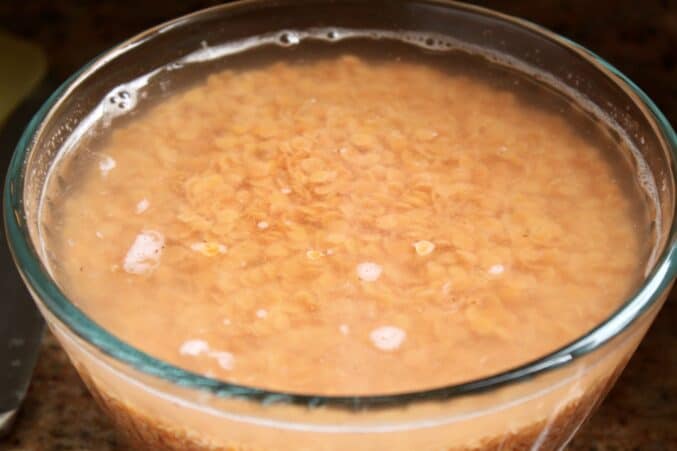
401	209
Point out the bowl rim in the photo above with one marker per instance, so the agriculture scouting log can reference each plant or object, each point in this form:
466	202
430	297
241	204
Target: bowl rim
45	289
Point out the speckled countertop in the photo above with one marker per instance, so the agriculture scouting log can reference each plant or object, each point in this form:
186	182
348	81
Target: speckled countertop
640	38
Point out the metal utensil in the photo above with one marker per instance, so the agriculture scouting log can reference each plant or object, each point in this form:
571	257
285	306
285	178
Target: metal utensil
21	329
21	326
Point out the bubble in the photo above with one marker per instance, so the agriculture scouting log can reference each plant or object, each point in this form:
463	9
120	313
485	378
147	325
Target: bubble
106	165
225	359
496	270
194	347
142	206
289	38
333	34
174	66
369	271
144	254
387	338
122	99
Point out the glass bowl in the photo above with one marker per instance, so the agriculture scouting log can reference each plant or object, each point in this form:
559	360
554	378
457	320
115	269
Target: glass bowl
538	405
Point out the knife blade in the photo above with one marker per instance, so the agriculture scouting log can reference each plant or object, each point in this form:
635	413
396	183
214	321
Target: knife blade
21	326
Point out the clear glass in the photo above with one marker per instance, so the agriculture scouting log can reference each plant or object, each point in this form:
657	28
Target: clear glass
538	405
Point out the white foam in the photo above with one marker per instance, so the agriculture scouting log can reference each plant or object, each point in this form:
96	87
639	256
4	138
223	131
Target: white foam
263	225
387	338
261	313
369	271
225	359
194	347
144	254
99	234
142	206
496	270
344	329
106	165
123	98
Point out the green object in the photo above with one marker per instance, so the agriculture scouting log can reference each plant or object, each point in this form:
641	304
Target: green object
22	66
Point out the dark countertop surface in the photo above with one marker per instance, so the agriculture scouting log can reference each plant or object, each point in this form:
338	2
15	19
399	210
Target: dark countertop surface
640	38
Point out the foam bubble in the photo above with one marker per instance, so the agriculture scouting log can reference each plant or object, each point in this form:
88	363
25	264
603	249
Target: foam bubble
123	98
194	347
344	329
225	359
144	254
261	313
387	338
263	225
142	206
106	165
369	271
289	38
333	34
496	270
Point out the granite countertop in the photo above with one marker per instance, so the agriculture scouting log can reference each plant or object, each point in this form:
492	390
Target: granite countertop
640	413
